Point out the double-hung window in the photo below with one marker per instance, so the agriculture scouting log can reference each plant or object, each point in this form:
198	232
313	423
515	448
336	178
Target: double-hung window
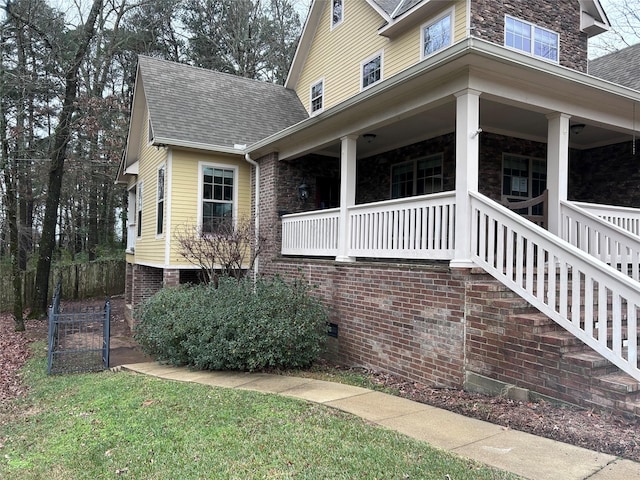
218	193
139	211
437	34
531	39
160	202
371	71
417	177
317	97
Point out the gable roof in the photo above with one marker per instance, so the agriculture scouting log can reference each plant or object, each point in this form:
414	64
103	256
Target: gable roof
621	67
195	106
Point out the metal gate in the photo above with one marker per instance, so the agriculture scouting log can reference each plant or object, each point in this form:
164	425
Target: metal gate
78	337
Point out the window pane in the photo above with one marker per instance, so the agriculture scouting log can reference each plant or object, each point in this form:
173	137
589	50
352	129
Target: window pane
429	175
337	12
316	96
371	72
515	177
437	35
546	44
402	180
518	35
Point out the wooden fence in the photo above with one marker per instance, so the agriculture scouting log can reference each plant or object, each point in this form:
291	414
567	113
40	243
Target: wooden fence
83	280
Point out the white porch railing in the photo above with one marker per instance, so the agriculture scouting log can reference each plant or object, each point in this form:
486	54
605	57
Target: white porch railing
602	238
626	218
415	227
596	303
311	233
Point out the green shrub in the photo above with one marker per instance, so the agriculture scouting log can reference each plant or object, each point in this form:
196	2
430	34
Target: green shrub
238	326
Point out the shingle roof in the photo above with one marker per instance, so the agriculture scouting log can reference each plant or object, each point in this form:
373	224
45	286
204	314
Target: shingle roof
621	67
195	105
396	7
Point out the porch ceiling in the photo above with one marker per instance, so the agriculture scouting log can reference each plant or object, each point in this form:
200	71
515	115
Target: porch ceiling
495	117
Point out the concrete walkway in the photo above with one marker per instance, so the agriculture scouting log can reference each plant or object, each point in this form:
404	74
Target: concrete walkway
527	455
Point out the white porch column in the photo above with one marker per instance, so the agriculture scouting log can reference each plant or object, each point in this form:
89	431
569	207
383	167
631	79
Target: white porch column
347	194
557	167
467	150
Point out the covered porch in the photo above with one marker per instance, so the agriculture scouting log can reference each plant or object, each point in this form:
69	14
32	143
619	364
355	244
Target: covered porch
416	171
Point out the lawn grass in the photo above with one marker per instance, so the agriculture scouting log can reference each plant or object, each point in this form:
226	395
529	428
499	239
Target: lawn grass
124	425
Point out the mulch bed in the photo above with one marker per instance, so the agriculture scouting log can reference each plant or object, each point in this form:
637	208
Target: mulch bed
595	430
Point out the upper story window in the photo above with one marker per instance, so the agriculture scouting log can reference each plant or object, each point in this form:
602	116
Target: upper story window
139	211
417	177
337	12
371	70
160	202
531	39
218	193
437	34
317	97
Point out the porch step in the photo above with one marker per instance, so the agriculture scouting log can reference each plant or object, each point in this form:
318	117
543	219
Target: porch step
619	382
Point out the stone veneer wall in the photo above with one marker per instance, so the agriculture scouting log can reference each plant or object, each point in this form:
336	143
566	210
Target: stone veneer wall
562	17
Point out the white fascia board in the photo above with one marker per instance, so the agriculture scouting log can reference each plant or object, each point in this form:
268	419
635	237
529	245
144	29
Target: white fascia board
171	142
304	44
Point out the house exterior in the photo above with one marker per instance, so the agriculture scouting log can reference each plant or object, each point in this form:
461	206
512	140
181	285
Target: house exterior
464	193
184	163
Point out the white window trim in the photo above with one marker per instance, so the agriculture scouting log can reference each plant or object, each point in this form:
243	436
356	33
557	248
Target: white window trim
380	54
313	84
341	21
449	12
201	166
139	208
533	27
164	200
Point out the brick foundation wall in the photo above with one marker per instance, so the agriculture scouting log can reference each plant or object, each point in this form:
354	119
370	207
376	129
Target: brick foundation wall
146	282
407	320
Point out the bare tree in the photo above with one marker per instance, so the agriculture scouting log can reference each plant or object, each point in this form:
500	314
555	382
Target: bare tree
229	250
624	16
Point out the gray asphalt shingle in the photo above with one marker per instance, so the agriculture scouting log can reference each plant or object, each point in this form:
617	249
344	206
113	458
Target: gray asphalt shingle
621	67
195	105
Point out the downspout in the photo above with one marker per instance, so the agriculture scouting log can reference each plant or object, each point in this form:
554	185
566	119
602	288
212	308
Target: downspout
248	158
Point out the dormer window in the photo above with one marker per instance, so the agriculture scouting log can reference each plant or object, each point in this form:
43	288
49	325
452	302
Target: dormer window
337	12
437	34
371	70
317	97
531	39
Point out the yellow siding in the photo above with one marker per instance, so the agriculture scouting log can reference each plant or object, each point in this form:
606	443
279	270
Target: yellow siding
149	249
185	179
335	55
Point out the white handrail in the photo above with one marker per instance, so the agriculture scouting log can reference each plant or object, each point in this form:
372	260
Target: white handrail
596	303
627	218
601	239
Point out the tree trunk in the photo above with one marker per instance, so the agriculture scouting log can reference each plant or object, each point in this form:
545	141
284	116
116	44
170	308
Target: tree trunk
58	154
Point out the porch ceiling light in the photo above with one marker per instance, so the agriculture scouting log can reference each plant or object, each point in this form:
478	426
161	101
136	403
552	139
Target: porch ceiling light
303	191
577	128
369	137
